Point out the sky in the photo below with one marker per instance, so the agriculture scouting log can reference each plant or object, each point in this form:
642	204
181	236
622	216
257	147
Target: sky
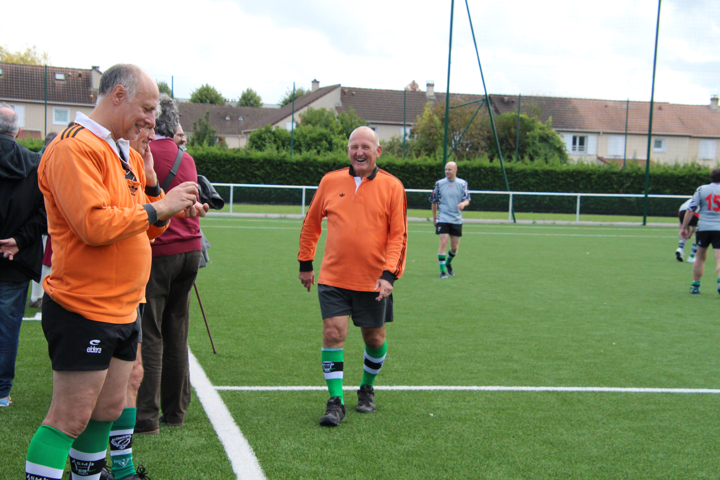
599	49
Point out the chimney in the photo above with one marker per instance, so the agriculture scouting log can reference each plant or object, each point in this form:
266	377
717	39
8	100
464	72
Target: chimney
315	85
95	75
714	103
430	93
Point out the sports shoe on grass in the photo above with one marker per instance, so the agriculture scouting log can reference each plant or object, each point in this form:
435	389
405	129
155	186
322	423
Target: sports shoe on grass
443	275
691	259
5	402
334	413
106	474
450	270
695	289
366	399
679	254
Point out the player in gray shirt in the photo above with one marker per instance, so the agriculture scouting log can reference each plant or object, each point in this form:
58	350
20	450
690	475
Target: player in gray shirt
706	202
449	197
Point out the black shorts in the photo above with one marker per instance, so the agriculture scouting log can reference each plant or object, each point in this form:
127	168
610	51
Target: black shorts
454	229
78	344
361	306
693	220
706	238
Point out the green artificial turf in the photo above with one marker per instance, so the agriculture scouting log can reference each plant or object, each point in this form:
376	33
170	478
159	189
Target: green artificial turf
529	306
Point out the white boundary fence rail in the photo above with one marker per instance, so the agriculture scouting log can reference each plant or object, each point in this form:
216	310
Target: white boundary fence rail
578	196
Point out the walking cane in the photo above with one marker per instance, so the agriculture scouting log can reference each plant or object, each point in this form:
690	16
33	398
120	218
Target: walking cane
204	318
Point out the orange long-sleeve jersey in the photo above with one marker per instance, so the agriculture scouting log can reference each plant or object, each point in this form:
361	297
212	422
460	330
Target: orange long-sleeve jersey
98	226
366	230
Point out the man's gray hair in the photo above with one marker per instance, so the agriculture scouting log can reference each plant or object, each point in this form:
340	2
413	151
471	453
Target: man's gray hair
123	74
9	122
168	117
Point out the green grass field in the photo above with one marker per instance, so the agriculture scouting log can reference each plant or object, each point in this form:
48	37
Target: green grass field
530	306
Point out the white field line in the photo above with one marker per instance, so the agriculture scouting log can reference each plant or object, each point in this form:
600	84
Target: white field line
239	452
479	389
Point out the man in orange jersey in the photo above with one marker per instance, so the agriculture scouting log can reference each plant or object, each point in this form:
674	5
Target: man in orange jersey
366	213
103	204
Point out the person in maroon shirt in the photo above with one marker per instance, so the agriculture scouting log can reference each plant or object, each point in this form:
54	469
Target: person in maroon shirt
176	259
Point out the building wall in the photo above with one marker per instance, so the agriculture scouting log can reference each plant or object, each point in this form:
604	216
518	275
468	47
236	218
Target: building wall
34	115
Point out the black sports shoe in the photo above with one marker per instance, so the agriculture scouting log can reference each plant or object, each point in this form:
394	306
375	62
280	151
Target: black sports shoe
450	270
444	275
366	399
106	474
334	413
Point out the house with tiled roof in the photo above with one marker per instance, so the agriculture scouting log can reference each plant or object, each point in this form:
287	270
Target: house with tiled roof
596	129
46	98
229	122
592	130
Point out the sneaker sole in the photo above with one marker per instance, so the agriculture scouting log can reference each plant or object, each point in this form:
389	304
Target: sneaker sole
360	409
330	422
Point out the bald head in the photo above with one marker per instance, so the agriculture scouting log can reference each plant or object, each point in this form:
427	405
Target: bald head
365	131
8	120
451	171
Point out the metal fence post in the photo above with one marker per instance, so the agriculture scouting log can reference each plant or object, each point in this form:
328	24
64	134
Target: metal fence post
303	201
577	211
231	198
510	211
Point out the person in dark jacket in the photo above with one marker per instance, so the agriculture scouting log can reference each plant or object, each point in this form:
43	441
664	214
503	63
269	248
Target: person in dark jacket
22	224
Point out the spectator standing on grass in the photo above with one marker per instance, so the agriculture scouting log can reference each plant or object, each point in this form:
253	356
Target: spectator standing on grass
22	224
706	202
680	252
365	251
166	318
103	204
449	197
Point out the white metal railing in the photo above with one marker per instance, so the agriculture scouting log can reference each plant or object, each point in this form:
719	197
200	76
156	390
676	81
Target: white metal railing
578	196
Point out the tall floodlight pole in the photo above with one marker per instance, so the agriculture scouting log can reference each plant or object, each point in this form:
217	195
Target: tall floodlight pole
292	121
487	100
627	114
46	99
404	121
517	140
652	101
447	94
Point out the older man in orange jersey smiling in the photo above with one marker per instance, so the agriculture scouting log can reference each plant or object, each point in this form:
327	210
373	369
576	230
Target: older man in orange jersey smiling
365	251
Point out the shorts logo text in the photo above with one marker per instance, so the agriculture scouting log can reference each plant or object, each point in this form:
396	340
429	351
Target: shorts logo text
93	348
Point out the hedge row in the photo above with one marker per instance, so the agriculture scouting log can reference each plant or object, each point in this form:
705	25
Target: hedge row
242	166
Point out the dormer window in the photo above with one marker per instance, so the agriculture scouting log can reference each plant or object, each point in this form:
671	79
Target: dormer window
59	76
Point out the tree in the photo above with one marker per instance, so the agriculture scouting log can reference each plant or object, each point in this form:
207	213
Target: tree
203	133
538	141
250	98
165	88
288	97
207	94
28	57
269	138
349	121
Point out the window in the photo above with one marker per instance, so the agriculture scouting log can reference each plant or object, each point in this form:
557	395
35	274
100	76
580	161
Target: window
61	116
0	71
60	76
579	144
659	145
616	146
708	149
289	126
20	110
